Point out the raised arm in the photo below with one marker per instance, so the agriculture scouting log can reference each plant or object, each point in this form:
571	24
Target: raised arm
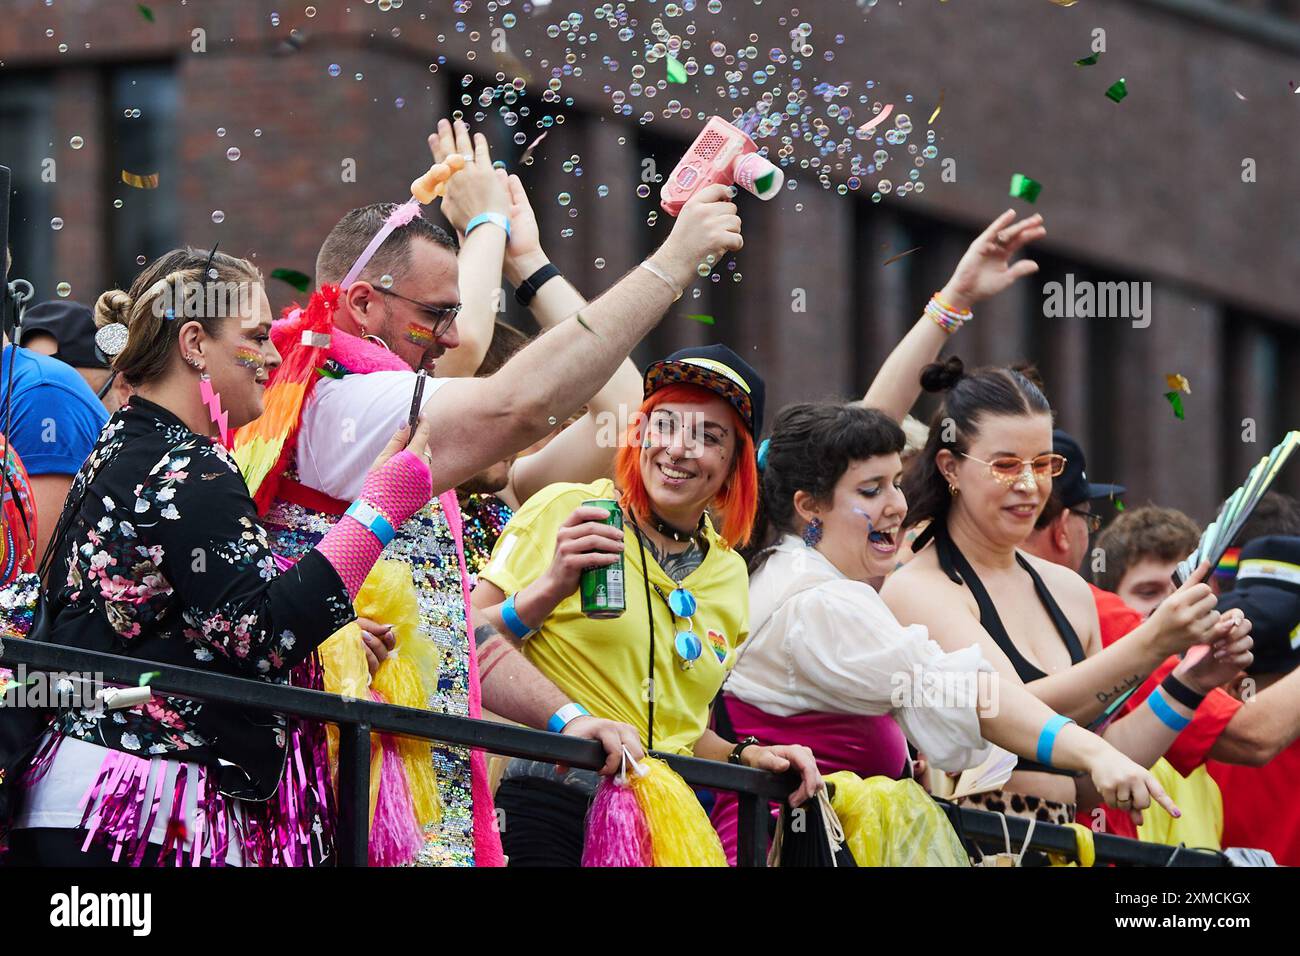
582	452
476	422
983	272
474	190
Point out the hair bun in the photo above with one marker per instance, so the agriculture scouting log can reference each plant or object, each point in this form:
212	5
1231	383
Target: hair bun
1030	371
941	376
113	308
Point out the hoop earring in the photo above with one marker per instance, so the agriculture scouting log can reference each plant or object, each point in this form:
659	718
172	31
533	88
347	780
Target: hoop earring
376	340
812	534
952	490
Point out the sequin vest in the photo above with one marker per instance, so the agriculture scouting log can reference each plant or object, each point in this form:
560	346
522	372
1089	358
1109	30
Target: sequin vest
431	544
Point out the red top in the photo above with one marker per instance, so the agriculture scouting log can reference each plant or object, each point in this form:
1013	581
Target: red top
1259	805
1191	747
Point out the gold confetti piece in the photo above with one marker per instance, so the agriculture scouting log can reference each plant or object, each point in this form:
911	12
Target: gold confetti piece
147	181
900	255
1178	383
937	108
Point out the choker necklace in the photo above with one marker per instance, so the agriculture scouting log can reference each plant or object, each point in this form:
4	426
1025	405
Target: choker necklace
668	531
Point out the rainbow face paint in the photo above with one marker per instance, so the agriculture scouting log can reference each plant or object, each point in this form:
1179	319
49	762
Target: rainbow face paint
419	334
249	358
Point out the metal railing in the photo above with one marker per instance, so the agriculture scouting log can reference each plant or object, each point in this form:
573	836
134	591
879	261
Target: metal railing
358	719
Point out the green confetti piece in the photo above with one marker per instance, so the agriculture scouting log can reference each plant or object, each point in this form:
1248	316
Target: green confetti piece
328	372
298	280
1022	187
145	12
1119	505
147	678
1118	90
1088	60
704	319
1176	400
676	72
578	316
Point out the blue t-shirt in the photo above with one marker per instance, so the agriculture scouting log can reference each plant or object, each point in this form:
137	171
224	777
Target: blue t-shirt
56	418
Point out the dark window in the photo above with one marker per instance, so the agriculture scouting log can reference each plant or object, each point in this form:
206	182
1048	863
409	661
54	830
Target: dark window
26	139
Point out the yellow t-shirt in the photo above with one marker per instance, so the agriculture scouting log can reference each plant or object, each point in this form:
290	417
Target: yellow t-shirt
604	664
1198	796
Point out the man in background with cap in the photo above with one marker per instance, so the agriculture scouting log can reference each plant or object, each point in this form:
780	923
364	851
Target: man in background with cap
55	420
65	331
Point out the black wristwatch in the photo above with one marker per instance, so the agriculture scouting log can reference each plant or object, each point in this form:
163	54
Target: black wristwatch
528	288
736	751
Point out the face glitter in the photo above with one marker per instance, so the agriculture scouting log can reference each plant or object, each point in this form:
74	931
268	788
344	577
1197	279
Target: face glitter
419	334
249	358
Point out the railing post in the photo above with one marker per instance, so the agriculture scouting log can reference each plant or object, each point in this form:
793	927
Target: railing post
353	832
751	830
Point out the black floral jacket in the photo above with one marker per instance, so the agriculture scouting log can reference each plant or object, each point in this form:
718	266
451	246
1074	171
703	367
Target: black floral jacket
164	560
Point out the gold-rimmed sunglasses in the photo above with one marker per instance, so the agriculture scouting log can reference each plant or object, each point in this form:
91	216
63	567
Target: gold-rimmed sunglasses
1008	469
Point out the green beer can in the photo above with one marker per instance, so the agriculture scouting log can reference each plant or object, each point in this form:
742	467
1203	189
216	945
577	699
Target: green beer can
602	588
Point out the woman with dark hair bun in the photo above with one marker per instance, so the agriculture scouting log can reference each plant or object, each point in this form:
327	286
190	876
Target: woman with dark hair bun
828	665
980	483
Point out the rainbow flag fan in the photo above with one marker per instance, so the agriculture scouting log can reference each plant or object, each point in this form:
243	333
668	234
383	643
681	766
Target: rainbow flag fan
1223	530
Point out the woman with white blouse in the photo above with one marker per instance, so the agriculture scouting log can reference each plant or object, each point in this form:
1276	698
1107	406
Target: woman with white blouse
828	665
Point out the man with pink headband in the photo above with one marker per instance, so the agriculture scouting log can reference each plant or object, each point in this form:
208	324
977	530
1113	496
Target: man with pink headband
386	309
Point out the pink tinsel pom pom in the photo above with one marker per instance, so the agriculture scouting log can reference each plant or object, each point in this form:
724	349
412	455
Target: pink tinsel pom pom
395	836
617	832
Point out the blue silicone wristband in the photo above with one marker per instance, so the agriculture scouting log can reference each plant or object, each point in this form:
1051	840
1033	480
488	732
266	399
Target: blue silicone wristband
560	719
1047	737
373	519
493	217
510	617
1168	716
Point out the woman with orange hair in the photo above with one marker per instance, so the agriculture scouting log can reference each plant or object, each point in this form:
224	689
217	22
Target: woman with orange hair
688	452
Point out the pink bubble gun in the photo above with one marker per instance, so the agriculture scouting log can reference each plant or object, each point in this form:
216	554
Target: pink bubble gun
722	153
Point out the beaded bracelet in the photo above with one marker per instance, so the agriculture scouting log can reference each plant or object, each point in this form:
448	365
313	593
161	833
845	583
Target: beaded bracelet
945	316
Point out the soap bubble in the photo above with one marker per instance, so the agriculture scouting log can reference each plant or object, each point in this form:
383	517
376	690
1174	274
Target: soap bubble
221	131
63	289
233	153
335	69
600	263
386	281
56	223
564	199
218	216
643	190
140	260
76	142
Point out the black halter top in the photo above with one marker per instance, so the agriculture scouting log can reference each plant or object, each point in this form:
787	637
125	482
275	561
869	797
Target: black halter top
959	570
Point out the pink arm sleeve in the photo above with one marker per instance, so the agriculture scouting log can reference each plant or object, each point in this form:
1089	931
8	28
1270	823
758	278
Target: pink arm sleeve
398	490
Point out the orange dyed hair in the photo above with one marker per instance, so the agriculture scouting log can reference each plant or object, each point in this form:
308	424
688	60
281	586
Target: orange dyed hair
737	501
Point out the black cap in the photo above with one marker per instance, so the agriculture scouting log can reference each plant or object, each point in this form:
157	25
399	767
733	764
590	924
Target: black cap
1268	593
718	369
73	328
1072	484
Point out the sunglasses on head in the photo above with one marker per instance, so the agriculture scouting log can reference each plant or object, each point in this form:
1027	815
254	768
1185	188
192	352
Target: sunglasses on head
441	315
1008	469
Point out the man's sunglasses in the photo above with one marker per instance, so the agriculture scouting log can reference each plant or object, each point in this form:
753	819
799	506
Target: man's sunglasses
1094	521
1008	470
441	315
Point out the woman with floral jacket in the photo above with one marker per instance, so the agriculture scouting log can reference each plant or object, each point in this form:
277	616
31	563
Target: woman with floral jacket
161	558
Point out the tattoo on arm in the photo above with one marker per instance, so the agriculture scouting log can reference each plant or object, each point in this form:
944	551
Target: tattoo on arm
484	633
1106	696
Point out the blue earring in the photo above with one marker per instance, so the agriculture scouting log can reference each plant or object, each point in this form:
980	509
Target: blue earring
813	533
